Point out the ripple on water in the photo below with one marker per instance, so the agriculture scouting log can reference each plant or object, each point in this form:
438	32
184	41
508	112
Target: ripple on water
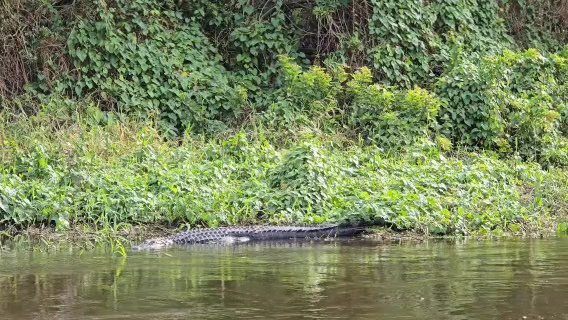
335	280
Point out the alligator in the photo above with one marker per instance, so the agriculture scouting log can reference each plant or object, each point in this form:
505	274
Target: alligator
250	233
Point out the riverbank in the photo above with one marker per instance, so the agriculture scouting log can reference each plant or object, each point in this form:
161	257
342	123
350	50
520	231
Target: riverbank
120	240
69	171
120	114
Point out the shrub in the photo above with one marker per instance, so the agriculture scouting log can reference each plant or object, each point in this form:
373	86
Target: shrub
307	98
513	102
471	114
402	30
389	117
123	172
301	184
145	56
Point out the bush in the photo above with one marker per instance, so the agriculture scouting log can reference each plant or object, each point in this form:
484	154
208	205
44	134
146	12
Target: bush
403	31
308	98
147	58
333	100
118	172
540	24
471	114
302	184
389	117
250	36
513	103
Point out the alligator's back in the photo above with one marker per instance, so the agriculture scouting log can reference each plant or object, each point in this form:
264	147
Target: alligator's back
237	234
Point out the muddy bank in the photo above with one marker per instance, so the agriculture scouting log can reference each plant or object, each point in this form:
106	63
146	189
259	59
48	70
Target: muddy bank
88	236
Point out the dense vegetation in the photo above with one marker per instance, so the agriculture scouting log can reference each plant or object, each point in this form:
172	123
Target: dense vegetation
441	116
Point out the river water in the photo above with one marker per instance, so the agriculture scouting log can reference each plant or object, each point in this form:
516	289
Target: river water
512	279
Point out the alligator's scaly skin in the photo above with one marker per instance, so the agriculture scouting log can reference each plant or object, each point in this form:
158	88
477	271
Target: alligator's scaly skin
236	234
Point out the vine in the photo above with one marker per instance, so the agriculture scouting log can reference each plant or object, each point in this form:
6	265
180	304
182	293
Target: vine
146	57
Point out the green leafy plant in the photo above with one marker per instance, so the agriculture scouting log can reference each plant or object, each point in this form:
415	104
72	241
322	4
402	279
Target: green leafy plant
292	90
403	32
147	58
512	102
307	98
471	114
562	229
389	117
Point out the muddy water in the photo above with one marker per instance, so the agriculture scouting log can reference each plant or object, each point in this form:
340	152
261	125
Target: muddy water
513	279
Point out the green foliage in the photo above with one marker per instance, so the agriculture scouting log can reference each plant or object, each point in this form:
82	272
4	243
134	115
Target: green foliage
562	229
478	21
532	99
405	43
145	56
333	100
513	103
302	184
307	98
537	24
86	171
299	82
412	40
250	36
310	90
389	117
403	30
470	114
257	39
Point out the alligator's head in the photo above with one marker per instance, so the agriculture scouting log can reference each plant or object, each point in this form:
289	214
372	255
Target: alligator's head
154	244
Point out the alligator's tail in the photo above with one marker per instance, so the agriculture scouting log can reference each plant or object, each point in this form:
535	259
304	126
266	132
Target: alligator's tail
279	233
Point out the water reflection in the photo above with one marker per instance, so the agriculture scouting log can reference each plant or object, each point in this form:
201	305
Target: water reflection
339	280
